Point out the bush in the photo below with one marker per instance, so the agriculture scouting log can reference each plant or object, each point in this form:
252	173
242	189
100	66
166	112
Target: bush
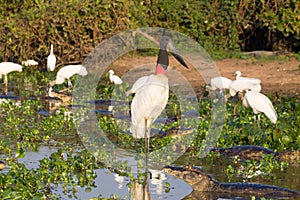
74	27
27	28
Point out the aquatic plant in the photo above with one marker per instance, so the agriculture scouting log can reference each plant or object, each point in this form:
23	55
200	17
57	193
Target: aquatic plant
24	128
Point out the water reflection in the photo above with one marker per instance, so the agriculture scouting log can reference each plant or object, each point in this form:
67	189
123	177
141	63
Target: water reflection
154	188
140	191
108	183
157	179
120	180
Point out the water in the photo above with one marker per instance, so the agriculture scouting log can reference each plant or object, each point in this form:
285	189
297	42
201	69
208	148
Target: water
108	183
111	183
288	178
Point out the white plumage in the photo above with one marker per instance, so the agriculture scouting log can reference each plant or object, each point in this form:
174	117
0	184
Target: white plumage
137	85
238	75
29	63
7	67
68	71
114	78
260	104
152	93
242	85
220	83
51	60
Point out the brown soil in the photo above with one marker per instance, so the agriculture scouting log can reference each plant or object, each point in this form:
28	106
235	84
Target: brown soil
277	76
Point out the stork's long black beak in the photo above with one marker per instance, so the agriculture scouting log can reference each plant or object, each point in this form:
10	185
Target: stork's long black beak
180	59
166	44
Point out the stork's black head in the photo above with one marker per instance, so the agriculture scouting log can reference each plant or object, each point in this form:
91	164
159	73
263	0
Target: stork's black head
163	59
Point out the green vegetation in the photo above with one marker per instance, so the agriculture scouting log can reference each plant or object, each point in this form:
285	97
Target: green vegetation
252	168
76	27
27	28
24	129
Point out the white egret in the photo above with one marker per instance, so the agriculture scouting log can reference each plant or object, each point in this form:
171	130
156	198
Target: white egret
238	76
6	68
220	83
243	85
51	60
110	108
29	63
151	93
114	78
68	71
260	104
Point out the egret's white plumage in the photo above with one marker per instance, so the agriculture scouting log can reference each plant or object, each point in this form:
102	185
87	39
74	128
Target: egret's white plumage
220	83
238	76
260	104
29	63
242	85
7	67
51	60
151	93
114	78
68	71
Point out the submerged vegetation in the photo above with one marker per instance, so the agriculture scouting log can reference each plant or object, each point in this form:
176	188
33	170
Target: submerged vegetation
30	120
28	124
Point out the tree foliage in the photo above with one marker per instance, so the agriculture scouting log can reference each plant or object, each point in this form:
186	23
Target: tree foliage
27	28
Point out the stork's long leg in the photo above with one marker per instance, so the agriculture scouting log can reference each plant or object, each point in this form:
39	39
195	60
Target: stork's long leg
147	134
148	123
6	82
146	138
